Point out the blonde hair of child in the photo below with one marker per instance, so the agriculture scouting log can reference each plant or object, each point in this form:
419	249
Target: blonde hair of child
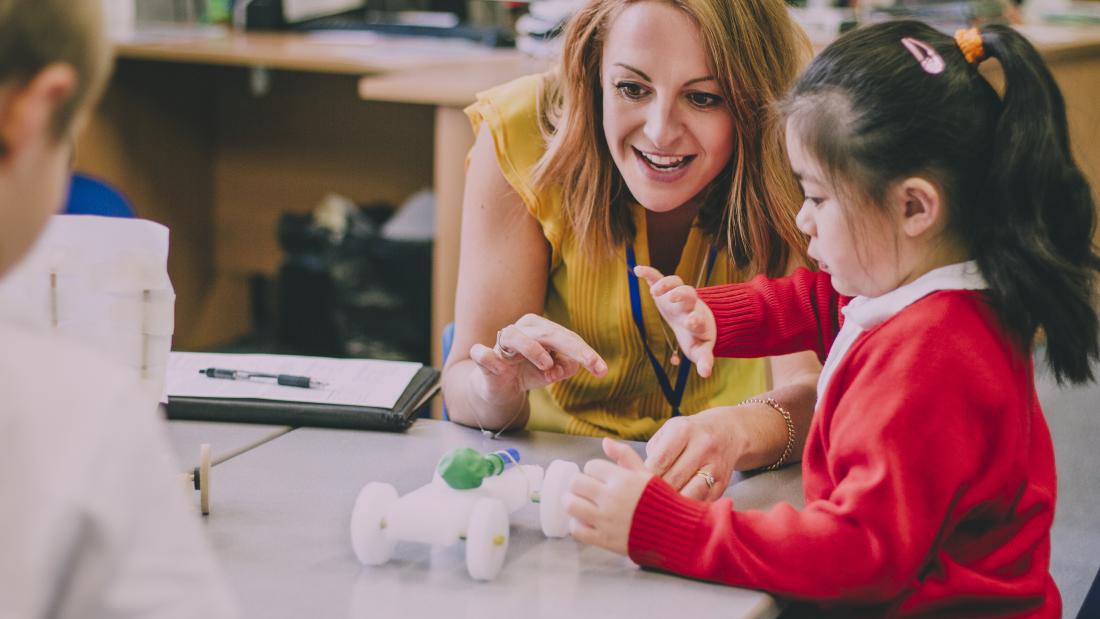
35	34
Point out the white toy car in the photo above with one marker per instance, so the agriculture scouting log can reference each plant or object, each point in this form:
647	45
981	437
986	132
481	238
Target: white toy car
439	513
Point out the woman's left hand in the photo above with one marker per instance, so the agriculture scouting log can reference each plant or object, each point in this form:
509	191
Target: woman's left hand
696	454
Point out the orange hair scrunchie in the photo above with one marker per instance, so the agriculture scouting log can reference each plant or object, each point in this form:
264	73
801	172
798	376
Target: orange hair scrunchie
970	42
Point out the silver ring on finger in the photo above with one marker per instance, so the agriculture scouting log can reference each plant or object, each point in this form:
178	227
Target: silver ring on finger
707	477
501	349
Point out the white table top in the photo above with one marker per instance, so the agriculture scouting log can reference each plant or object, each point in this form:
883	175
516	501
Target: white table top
281	529
186	437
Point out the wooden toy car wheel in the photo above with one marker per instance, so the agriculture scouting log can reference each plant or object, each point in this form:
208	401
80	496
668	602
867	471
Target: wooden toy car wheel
204	478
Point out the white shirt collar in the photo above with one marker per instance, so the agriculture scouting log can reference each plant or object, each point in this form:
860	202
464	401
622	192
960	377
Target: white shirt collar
863	313
870	312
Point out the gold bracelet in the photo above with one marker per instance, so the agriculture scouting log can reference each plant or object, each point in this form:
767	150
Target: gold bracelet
790	430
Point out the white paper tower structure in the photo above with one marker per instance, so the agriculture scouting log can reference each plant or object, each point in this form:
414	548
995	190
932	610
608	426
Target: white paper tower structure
102	282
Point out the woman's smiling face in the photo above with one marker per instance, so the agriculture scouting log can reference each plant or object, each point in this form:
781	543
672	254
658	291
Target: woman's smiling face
665	120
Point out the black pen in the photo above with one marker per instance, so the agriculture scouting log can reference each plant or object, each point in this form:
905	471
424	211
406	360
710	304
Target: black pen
287	380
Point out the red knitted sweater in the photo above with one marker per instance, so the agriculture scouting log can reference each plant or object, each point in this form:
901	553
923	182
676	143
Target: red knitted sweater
928	471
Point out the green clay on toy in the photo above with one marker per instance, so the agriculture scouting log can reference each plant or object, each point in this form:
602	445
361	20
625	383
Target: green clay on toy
463	468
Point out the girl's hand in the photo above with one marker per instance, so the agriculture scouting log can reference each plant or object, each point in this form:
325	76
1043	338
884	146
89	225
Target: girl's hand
688	452
601	501
691	320
530	353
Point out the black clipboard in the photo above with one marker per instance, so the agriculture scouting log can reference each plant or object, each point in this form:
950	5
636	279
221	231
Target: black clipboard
423	386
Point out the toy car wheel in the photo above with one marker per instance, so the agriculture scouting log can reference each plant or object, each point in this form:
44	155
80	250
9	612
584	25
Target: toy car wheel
204	479
486	539
555	522
368	524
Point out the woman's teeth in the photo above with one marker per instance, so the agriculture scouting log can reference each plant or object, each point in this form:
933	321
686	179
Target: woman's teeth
664	163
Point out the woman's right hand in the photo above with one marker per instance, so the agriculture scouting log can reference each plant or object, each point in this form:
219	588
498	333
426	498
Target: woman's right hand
530	353
503	273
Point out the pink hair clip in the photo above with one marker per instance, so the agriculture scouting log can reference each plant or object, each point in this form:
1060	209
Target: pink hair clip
929	60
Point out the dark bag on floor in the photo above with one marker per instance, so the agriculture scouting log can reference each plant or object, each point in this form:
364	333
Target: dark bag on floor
353	295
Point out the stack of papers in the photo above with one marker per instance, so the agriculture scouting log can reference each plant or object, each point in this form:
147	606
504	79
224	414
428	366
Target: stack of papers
361	394
350	382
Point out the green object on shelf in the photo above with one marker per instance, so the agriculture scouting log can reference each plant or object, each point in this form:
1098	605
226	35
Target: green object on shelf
217	11
463	468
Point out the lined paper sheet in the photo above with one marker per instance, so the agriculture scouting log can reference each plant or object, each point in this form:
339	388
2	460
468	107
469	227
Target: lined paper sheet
351	382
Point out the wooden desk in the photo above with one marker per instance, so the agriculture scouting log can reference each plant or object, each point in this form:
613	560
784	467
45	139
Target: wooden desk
447	91
280	529
182	136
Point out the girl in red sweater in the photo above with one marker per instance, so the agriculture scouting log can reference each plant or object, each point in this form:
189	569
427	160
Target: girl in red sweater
949	225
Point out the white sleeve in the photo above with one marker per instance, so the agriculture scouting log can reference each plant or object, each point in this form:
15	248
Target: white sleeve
141	551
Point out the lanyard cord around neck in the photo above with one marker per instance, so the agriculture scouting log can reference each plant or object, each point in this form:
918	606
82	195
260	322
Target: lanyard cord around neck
673	394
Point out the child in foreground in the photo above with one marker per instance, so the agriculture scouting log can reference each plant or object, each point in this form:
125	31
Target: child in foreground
950	226
93	522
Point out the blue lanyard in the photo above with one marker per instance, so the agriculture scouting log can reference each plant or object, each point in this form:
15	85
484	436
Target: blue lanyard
674	395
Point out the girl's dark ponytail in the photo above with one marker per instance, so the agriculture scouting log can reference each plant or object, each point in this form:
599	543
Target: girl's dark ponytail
1032	233
901	99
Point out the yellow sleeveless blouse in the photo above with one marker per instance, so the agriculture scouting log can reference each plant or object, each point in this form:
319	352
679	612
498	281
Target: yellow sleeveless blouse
592	298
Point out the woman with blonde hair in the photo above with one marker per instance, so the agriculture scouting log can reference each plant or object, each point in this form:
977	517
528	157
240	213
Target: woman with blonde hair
653	142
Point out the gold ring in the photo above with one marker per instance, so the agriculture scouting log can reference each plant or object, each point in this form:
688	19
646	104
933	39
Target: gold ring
501	349
707	477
